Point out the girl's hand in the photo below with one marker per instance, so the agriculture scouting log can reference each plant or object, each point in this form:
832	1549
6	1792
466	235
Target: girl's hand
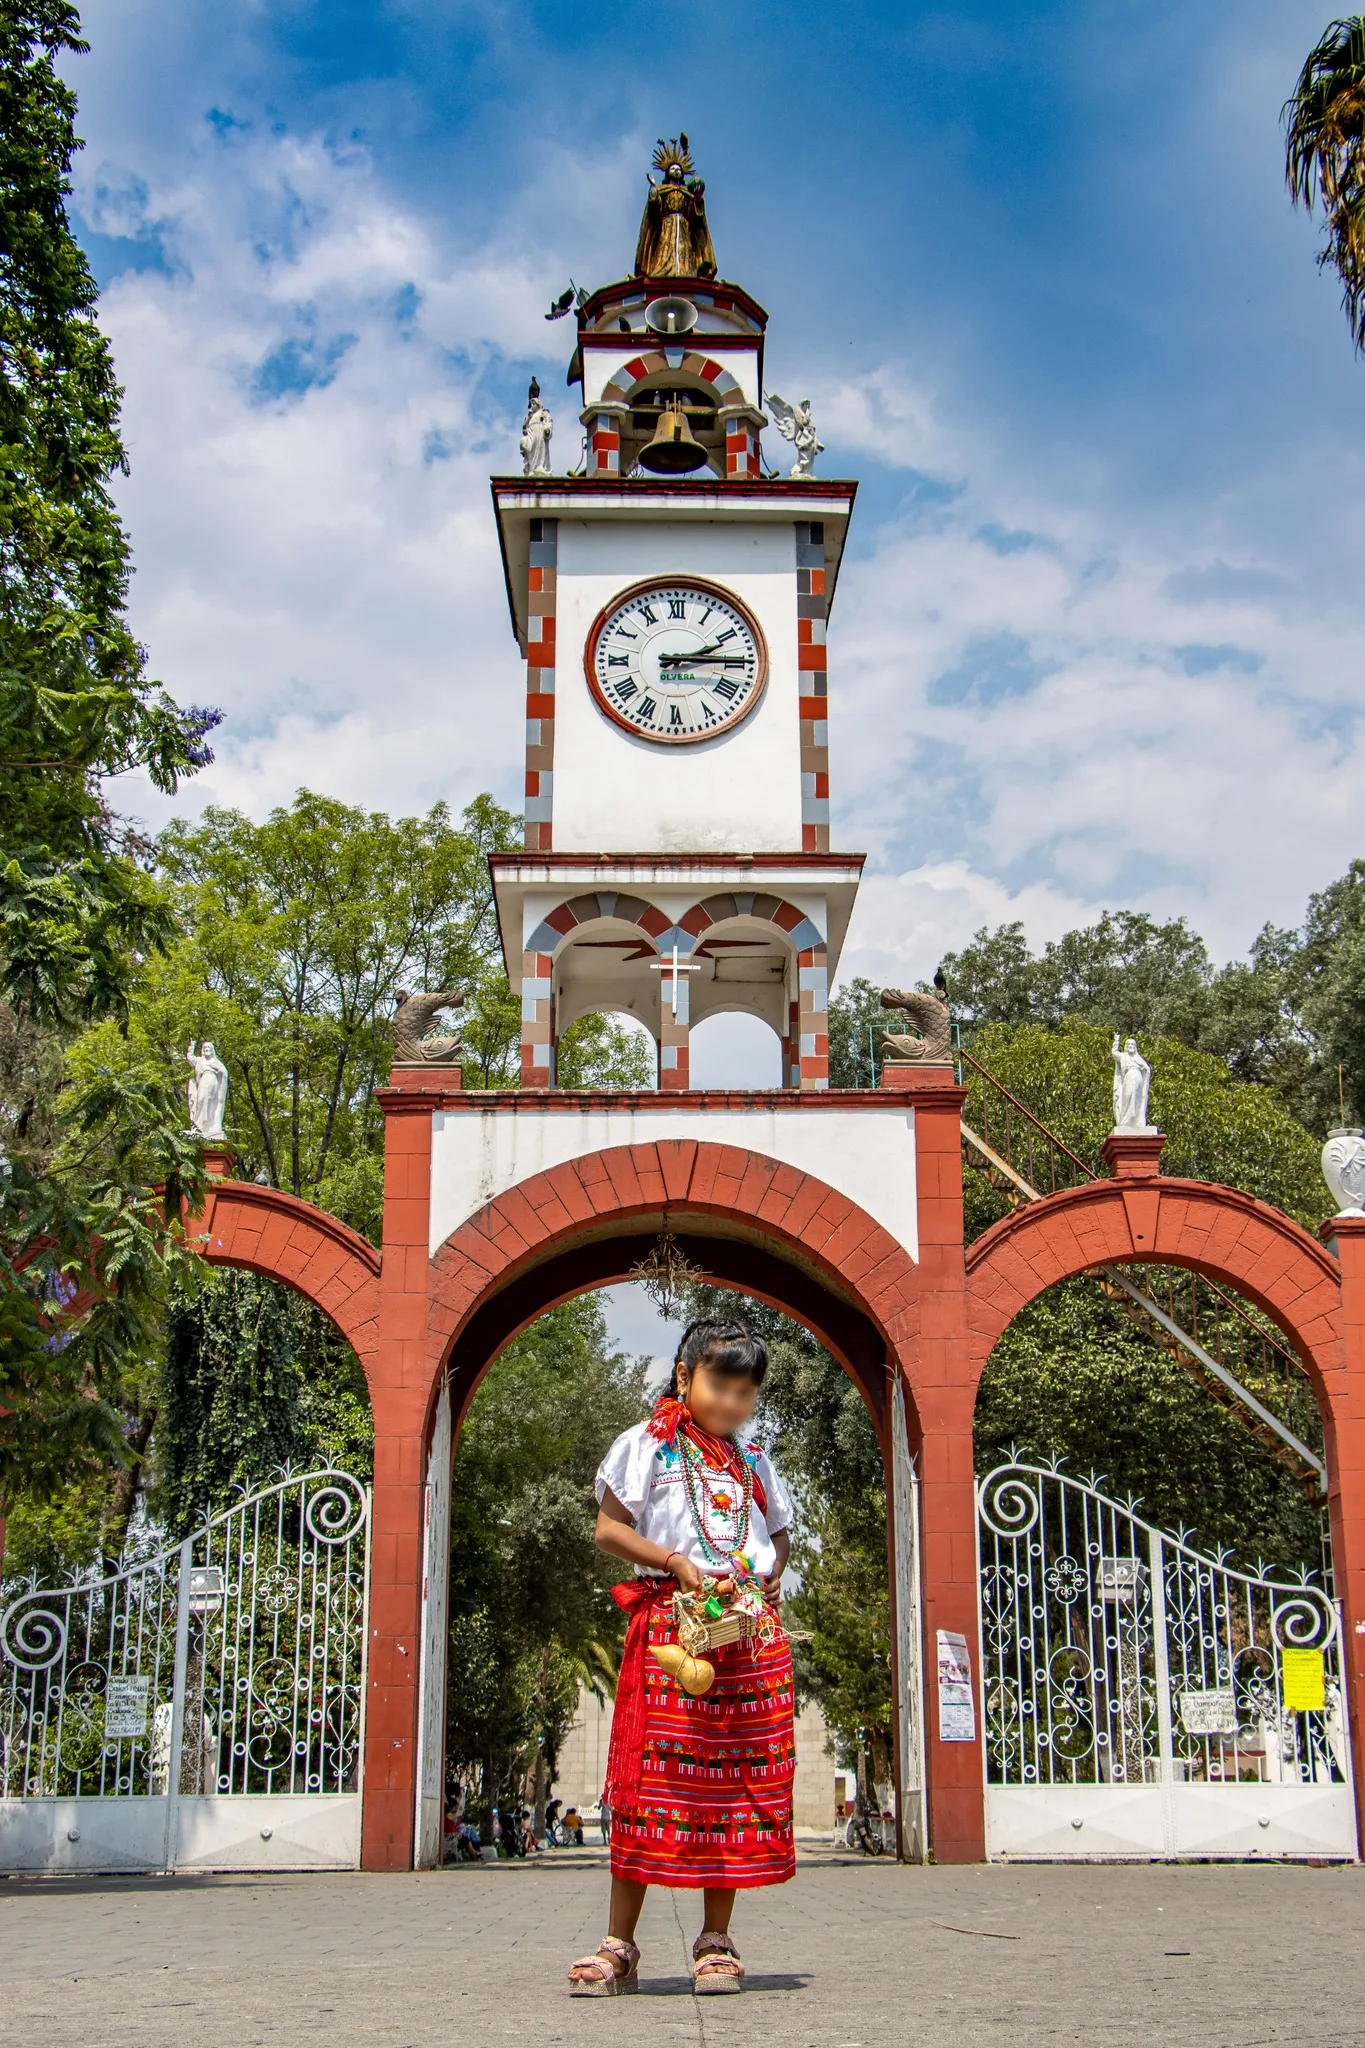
772	1586
689	1576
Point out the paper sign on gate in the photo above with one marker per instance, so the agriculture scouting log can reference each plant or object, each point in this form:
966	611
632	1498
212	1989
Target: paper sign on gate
1213	1712
956	1708
127	1704
1304	1680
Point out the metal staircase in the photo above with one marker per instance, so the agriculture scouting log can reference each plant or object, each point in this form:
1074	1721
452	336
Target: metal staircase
1206	1330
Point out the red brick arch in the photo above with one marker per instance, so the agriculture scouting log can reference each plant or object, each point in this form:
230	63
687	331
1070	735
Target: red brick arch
823	1258
1217	1231
655	363
316	1254
1228	1236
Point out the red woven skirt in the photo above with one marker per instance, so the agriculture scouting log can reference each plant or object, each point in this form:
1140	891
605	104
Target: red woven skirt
714	1799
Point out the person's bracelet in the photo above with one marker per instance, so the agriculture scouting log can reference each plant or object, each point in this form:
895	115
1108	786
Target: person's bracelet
669	1559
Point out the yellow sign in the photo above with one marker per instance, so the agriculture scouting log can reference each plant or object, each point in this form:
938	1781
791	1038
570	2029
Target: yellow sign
1304	1685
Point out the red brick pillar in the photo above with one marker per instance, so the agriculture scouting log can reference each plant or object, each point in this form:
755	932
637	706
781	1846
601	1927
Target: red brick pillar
540	684
811	610
401	1394
741	427
603	423
1345	1431
945	1398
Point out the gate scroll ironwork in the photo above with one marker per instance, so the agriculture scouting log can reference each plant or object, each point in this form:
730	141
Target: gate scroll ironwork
1115	1655
229	1664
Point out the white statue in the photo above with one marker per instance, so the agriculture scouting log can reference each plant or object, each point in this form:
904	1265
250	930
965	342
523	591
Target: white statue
1132	1086
793	423
207	1092
536	430
1343	1169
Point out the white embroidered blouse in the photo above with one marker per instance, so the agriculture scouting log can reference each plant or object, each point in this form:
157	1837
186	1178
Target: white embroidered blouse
646	1476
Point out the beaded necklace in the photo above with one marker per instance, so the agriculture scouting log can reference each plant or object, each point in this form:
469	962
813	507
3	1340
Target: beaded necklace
693	1464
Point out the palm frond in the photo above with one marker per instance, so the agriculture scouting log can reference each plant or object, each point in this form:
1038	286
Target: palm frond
1324	120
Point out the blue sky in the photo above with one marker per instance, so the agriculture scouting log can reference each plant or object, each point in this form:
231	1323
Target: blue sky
1099	638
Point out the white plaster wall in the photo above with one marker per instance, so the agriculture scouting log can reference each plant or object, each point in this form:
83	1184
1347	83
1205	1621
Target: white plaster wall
866	1154
614	791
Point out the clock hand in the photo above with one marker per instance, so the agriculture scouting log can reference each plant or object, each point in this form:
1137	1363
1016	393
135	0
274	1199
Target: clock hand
695	654
691	660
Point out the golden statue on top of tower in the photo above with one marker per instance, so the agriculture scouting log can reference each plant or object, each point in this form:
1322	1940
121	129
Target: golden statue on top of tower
674	238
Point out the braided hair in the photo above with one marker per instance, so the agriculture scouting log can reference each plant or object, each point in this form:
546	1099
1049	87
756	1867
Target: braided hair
723	1346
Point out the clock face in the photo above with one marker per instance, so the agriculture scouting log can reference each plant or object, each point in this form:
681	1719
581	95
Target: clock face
676	661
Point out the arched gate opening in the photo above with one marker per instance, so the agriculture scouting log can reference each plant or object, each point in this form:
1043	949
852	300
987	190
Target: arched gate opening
743	1264
1144	1695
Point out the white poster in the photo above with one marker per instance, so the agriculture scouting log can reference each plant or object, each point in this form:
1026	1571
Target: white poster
956	1708
1212	1712
127	1704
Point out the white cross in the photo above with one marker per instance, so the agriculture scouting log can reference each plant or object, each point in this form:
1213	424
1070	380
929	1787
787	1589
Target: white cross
674	968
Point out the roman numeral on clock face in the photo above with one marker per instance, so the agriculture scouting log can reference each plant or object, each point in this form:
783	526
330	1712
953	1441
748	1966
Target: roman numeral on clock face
677	608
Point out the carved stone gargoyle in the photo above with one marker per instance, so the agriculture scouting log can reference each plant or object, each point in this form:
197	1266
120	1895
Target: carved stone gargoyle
411	1021
928	1012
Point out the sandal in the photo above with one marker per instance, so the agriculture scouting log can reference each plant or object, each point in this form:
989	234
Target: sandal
614	1969
716	1965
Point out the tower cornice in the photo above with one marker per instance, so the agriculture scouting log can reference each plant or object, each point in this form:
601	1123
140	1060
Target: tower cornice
518	500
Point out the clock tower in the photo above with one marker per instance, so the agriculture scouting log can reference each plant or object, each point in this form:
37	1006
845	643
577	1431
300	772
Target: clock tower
670	600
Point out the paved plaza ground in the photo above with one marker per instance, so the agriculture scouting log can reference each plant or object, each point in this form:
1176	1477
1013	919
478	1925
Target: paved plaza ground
852	1955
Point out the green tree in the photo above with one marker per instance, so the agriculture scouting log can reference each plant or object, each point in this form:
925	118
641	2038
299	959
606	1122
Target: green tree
855	1013
1322	969
254	1378
91	1234
1285	1019
1216	1128
1126	970
531	1616
1073	1378
1324	120
82	1240
75	705
297	935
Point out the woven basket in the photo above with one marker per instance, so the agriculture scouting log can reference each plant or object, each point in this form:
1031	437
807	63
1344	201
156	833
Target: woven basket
698	1632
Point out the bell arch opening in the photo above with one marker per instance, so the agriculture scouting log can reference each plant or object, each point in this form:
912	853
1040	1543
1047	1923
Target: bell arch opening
732	1047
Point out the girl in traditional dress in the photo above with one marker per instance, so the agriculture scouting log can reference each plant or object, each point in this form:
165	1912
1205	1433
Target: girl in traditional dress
700	1786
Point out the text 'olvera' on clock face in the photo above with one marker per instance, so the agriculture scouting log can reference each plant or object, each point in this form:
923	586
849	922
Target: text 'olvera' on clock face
676	661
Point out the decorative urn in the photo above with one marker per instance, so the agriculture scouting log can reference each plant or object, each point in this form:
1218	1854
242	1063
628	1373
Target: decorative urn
1343	1169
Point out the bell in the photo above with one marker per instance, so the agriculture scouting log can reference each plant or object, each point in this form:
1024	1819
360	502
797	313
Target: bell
673	450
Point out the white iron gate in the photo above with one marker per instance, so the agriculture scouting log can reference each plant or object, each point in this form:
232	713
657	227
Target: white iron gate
1140	1699
431	1711
904	1504
201	1708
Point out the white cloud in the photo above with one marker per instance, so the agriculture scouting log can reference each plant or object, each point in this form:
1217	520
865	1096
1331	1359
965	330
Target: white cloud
1038	707
1068	710
904	924
316	393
